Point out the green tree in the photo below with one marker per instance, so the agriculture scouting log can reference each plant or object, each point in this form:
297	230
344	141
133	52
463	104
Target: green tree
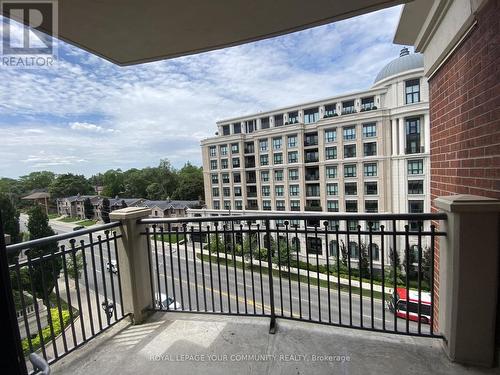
190	185
37	180
10	218
215	244
68	184
74	266
364	264
38	227
105	210
410	257
88	209
427	264
113	183
282	251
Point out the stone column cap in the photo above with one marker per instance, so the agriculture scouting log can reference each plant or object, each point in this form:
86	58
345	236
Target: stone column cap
130	213
467	203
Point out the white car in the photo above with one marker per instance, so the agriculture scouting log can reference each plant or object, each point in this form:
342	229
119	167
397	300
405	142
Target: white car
111	266
167	303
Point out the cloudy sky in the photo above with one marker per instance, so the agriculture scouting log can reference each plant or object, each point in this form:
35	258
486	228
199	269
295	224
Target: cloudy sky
87	115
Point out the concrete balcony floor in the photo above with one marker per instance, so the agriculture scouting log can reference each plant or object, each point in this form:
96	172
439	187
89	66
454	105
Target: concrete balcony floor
217	344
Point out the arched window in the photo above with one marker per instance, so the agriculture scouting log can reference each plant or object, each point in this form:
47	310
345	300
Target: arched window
375	250
353	249
333	248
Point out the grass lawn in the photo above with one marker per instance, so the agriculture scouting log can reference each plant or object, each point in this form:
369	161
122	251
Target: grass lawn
69	219
53	216
87	223
173	238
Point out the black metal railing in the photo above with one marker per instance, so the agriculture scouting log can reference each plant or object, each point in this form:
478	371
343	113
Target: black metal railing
376	275
67	289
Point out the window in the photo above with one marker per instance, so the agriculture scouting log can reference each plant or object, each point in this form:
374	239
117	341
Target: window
263	144
330	135
226	130
412	91
295	205
351	188
371	206
369	130
349	151
216	205
333	247
235	148
416	187
237	191
236	162
350	170
213	151
237	128
238	205
266	191
330	110
311	115
348	107
278	158
226	191
293	117
279	190
237	177
331	171
312	190
280	205
413	135
416	166
213	164
331	153
415	207
293	174
353	248
292	141
370	169
250	126
223	149
224	164
278	175
314	245
349	133
371	188
294	190
215	192
249	148
278	120
311	156
266	205
293	157
264	159
264	123
225	178
352	225
311	139
370	149
277	142
332	189
215	178
264	176
367	103
332	206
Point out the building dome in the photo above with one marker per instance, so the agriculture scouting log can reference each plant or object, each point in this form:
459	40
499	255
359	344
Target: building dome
406	61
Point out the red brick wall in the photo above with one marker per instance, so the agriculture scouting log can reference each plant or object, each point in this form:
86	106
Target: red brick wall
465	117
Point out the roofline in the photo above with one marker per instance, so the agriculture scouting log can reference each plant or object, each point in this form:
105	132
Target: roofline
386	79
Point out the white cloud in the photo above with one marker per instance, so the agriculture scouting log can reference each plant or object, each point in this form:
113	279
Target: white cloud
85	126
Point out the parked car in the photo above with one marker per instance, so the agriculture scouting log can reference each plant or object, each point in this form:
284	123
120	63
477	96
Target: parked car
167	303
78	227
111	266
406	305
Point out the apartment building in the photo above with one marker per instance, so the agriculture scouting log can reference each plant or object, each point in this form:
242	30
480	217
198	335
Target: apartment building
361	152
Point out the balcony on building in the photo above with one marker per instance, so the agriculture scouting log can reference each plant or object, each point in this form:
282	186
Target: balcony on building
312	174
367	104
348	107
311	139
311	155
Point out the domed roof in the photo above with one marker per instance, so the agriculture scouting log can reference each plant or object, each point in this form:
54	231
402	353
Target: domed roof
406	61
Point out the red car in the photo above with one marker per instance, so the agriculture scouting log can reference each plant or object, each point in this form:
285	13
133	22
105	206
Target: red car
406	305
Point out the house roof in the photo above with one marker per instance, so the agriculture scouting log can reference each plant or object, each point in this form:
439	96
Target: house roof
165	205
405	62
37	195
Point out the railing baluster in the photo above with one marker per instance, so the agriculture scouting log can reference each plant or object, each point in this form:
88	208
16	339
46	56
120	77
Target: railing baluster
370	250
200	230
308	271
338	273
195	269
210	265
113	295
23	304
360	270
382	254
419	244
68	296
298	269
349	271
327	254
272	328
251	266
279	266
433	238
164	264
224	236
158	286
407	276
104	287
87	288
243	269
47	304
233	248
317	270
260	268
218	265
184	232
77	287
179	268
118	273
395	271
287	229
169	228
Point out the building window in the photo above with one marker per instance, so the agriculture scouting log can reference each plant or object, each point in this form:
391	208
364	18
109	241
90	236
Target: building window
264	159
278	120
349	133
311	115
367	103
277	143
311	156
235	148
278	175
415	207
264	176
369	130
293	157
333	247
294	190
416	166
249	148
371	188
215	192
263	144
213	151
416	187
236	177
295	205
413	135
370	169
266	191
292	141
331	171
236	162
311	139
293	117
215	178
332	189
348	107
412	91
238	205
216	205
226	191
332	206
293	174
314	245
278	158
266	205
250	126
349	151
312	190
330	110
280	205
223	150
279	190
226	130
330	135
213	164
331	153
370	149
237	128
350	170
371	206
352	225
237	191
264	123
224	164
225	178
351	188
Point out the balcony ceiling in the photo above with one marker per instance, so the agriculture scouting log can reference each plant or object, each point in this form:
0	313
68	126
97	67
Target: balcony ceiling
130	32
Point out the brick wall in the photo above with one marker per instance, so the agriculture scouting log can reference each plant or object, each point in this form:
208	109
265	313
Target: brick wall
465	117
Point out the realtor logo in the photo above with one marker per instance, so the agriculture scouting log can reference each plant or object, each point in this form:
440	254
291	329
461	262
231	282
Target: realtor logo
29	29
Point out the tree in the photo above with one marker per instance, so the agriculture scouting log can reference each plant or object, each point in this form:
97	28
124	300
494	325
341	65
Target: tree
69	184
37	180
191	185
74	266
10	218
215	244
88	209
364	265
282	251
343	251
113	183
427	264
105	210
42	271
410	257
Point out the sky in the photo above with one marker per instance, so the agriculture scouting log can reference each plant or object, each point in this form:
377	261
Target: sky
87	115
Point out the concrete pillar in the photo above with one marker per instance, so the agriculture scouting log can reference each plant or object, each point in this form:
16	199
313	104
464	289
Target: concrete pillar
401	136
134	264
468	277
